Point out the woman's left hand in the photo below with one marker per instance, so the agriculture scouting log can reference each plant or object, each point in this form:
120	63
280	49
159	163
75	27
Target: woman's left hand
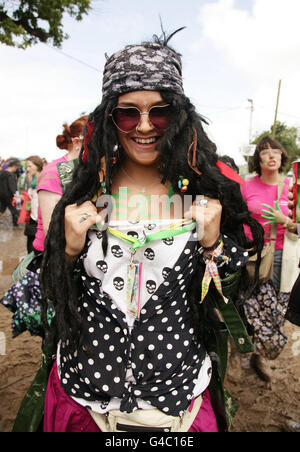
207	213
273	215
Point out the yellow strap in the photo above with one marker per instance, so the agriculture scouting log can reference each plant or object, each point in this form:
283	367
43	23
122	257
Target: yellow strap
130	239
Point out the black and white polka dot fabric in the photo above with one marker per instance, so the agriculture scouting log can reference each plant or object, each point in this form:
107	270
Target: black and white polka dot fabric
129	363
157	257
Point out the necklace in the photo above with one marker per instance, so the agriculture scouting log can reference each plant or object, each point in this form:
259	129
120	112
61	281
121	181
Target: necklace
143	188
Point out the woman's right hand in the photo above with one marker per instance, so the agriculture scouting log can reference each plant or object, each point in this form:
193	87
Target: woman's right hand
78	220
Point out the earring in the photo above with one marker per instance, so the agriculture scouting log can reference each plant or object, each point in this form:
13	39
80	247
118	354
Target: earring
183	184
102	180
115	157
193	146
76	144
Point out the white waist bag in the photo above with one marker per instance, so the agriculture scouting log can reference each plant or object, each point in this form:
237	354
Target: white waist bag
146	420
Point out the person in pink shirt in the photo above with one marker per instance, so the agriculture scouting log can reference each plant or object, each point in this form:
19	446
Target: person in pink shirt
24	297
268	161
49	184
261	195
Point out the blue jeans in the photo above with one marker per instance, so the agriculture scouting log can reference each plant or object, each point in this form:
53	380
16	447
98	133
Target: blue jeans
277	269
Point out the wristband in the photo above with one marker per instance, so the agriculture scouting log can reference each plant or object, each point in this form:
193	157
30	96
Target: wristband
214	246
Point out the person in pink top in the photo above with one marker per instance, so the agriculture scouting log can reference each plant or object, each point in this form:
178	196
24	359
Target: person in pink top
49	185
268	161
261	195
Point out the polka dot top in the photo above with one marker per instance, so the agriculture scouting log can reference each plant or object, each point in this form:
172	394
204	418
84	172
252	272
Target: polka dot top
131	363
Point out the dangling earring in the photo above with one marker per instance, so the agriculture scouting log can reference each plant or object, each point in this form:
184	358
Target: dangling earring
183	184
193	146
115	154
102	181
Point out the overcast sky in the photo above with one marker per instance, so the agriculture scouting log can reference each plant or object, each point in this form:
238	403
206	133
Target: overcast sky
232	51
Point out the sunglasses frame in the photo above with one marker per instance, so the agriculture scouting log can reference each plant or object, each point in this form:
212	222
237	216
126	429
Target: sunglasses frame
141	113
270	151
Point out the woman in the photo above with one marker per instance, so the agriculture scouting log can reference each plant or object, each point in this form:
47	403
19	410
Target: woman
130	253
34	167
266	195
23	298
50	184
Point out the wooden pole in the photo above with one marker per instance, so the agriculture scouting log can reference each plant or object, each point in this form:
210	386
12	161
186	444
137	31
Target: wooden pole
251	118
276	111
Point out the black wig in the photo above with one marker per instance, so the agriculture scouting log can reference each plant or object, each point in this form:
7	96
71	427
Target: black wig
57	274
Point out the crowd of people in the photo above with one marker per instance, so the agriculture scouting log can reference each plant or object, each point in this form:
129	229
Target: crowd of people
141	238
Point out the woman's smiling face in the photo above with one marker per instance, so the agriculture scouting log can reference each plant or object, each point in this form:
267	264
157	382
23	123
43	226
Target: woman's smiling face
140	144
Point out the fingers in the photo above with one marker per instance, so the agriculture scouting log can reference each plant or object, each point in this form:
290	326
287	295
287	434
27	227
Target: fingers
269	222
85	206
270	208
269	218
78	220
268	213
198	209
273	214
81	217
267	206
208	217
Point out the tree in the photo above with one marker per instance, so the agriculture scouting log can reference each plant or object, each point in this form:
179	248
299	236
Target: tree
288	137
24	23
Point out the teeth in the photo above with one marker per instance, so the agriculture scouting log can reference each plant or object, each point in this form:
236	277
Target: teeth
145	140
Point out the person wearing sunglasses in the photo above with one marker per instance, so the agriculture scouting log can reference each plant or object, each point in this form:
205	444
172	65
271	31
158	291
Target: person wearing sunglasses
136	344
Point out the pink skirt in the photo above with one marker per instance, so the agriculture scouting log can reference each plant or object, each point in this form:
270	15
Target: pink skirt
63	414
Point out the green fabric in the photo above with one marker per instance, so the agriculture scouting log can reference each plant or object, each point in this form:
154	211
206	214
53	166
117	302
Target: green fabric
33	182
65	171
163	235
216	344
230	315
31	412
138	243
21	269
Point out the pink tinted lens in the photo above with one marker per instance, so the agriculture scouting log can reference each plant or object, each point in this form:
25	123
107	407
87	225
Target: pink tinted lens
126	119
159	117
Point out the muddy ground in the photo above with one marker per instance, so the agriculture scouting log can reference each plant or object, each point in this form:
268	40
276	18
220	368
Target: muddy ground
263	407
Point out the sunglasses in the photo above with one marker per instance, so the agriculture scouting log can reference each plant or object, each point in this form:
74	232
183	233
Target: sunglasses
265	152
127	119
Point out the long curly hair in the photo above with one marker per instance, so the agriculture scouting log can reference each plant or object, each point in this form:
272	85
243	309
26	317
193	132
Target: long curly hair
57	273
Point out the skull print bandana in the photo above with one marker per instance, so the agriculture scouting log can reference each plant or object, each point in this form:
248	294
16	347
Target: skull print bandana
149	66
